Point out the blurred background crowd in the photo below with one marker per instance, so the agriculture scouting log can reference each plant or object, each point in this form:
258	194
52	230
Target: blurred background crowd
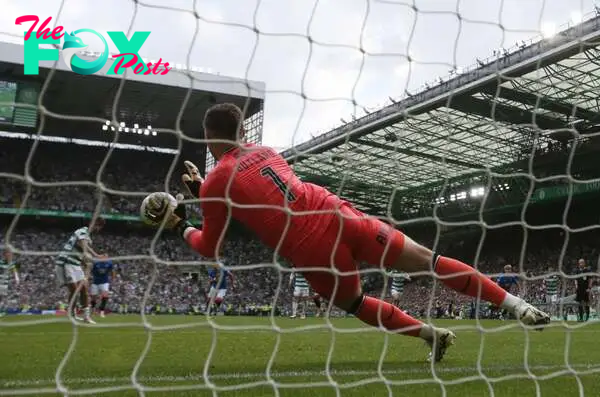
162	274
166	276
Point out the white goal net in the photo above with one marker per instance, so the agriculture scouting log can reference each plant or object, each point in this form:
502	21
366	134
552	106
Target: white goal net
470	125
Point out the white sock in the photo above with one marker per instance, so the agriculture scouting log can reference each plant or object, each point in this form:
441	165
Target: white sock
86	311
304	308
294	308
511	302
426	332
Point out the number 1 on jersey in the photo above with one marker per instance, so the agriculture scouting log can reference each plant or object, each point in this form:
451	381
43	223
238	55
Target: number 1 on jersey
270	173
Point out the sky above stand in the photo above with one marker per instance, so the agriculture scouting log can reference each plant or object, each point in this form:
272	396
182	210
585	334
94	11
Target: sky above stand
406	44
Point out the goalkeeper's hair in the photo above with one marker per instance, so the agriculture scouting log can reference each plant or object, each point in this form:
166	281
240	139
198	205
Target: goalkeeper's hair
224	121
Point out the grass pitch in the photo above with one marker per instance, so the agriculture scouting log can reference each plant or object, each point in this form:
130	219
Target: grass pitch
250	356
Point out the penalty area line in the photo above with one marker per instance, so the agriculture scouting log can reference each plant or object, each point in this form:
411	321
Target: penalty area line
7	383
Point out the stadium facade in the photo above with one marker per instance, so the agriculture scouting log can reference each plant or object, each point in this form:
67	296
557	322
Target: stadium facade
128	119
78	106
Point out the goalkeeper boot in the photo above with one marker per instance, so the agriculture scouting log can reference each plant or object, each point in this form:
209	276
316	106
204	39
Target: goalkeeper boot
532	316
442	340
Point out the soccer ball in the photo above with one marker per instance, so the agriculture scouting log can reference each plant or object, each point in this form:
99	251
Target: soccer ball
156	206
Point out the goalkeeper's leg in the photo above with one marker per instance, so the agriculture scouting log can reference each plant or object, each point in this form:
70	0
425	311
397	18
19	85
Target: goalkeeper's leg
345	292
378	243
464	279
335	277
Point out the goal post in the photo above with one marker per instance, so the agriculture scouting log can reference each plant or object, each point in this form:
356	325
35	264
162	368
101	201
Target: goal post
473	134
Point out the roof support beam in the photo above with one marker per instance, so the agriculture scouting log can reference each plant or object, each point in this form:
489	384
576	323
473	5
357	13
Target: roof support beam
410	152
405	176
574	41
506	114
333	182
544	103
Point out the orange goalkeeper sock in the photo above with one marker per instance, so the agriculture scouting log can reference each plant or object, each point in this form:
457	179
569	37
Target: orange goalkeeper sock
378	313
469	281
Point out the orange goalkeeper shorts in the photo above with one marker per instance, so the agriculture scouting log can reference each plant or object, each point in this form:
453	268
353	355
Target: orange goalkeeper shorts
347	241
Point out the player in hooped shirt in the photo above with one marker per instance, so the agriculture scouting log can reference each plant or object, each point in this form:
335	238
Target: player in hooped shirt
8	270
397	285
313	228
102	271
72	267
301	294
217	279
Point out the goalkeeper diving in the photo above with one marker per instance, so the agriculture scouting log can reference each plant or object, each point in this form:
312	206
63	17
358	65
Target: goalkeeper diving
313	228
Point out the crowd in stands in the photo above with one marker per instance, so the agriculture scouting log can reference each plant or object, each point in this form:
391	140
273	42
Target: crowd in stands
69	181
171	276
164	275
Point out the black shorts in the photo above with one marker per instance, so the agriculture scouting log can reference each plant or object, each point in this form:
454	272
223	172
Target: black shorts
582	296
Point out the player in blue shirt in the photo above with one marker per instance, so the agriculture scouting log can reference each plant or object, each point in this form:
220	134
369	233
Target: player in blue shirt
102	271
217	281
509	282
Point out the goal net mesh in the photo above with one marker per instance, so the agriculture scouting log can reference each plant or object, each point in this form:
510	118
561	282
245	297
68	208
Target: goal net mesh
495	174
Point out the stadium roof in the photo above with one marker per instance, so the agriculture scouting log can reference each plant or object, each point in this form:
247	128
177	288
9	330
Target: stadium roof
484	118
154	100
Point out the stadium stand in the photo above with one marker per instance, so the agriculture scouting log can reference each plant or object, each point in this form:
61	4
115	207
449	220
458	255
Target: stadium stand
369	151
175	289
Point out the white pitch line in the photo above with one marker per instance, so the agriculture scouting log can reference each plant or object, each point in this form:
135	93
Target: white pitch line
6	383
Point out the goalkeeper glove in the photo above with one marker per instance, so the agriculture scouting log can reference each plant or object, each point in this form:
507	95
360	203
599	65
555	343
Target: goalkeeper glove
192	179
179	218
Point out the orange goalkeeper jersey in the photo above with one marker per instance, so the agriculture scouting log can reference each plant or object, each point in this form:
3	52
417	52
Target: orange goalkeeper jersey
254	185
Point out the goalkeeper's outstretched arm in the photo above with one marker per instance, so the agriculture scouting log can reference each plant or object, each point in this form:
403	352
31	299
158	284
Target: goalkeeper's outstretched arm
208	241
